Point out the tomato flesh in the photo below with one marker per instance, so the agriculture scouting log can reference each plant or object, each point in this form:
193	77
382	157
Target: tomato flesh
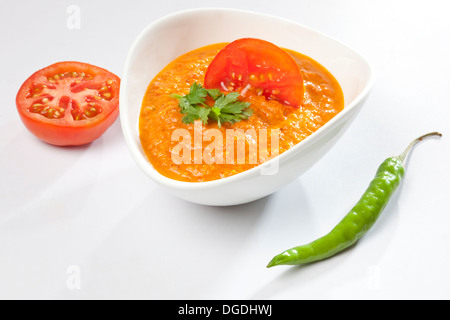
260	65
69	103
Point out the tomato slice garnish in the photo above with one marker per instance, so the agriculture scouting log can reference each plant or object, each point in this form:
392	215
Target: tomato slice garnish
69	103
257	64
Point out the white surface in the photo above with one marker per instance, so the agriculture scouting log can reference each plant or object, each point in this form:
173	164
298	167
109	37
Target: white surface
144	62
91	210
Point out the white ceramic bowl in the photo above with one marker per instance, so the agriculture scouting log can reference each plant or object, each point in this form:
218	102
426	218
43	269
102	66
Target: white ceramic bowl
176	34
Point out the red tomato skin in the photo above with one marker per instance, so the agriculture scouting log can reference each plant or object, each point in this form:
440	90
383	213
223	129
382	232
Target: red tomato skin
68	136
61	132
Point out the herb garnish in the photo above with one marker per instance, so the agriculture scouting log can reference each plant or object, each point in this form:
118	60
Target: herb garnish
226	108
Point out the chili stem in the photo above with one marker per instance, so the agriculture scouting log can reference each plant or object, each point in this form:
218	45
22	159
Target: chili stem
405	153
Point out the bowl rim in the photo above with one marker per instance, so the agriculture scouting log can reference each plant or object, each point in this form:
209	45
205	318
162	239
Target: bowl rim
145	164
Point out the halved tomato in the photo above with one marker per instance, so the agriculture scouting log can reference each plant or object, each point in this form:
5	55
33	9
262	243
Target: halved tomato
258	64
69	103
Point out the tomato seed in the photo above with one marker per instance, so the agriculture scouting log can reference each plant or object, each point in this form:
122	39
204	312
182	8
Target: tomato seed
47	111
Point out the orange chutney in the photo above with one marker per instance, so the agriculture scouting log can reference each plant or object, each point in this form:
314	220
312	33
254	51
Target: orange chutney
160	115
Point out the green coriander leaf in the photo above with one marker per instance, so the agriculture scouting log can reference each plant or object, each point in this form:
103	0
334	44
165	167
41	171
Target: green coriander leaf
247	113
184	105
203	114
224	100
188	119
227	107
231	118
217	111
197	94
214	93
214	115
191	114
232	96
236	107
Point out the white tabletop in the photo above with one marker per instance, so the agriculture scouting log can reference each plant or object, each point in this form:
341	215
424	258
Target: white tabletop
85	223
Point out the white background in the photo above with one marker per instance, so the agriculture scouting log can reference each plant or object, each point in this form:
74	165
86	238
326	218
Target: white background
89	214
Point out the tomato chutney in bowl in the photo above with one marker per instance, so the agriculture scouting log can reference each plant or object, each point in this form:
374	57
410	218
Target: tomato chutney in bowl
181	138
160	117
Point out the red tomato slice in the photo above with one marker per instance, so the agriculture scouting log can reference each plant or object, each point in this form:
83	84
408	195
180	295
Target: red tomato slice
69	103
253	63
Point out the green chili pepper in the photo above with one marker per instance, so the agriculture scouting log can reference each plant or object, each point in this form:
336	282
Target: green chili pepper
359	220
